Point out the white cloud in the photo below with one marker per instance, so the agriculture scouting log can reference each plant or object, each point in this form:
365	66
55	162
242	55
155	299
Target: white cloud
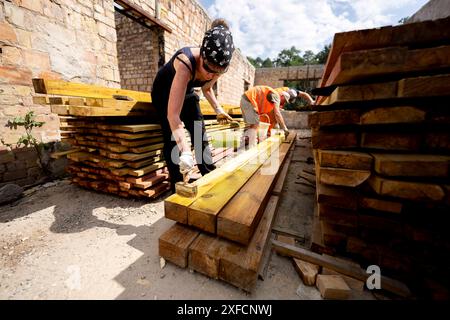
265	27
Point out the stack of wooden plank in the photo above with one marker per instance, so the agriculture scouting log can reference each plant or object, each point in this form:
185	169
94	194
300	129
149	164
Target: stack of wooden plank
114	148
222	231
381	143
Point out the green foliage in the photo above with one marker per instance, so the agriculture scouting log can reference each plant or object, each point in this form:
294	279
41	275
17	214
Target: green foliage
292	57
322	55
28	140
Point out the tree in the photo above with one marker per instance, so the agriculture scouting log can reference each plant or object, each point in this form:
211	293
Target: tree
289	57
267	63
257	63
310	57
322	56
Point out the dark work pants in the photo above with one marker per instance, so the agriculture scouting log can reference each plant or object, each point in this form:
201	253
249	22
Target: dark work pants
193	122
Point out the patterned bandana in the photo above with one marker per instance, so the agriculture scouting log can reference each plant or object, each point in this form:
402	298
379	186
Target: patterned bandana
217	47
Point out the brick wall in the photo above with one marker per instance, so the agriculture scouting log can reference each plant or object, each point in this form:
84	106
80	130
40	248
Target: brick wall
274	77
137	53
76	40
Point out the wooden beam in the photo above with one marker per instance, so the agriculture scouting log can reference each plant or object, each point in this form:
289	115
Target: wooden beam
405	114
240	265
174	244
357	65
240	217
345	159
59	87
415	191
388	284
176	206
203	213
333	118
342	177
334	140
412	165
423	33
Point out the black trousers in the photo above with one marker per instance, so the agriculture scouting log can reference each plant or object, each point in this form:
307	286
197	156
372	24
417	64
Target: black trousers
194	124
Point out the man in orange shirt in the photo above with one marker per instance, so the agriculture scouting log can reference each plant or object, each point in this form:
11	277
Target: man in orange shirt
259	101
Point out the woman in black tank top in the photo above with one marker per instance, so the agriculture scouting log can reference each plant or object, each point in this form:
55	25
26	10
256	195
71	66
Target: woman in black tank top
174	98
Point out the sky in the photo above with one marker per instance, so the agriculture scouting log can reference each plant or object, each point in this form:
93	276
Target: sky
262	28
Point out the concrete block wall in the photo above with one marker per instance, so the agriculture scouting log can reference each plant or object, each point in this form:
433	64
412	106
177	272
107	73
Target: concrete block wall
274	77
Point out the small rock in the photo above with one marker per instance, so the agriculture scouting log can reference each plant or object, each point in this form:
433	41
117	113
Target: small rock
10	192
162	276
162	262
49	184
142	294
11	252
25	239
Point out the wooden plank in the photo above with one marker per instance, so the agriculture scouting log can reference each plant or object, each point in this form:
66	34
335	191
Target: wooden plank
144	149
412	165
174	244
415	191
59	87
205	253
239	265
363	92
341	267
151	182
282	175
130	156
147	177
145	162
131	136
139	172
391	141
353	284
131	127
421	33
404	114
289	232
203	213
114	103
307	271
176	206
338	216
334	140
357	65
333	118
332	287
346	198
342	177
425	86
140	142
380	204
240	217
57	155
85	111
345	159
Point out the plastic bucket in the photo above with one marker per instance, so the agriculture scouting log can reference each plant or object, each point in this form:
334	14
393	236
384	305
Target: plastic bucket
263	128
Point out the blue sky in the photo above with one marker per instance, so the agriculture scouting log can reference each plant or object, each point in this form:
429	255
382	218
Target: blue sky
265	27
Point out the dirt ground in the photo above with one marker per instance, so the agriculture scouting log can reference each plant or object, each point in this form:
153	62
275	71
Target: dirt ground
63	242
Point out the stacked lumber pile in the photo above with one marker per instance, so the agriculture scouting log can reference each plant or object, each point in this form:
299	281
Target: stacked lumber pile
381	142
116	144
223	231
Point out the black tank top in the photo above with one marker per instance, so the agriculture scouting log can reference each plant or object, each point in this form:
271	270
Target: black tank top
165	75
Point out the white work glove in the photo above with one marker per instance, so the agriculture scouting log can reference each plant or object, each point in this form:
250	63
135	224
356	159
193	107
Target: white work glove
222	116
186	162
